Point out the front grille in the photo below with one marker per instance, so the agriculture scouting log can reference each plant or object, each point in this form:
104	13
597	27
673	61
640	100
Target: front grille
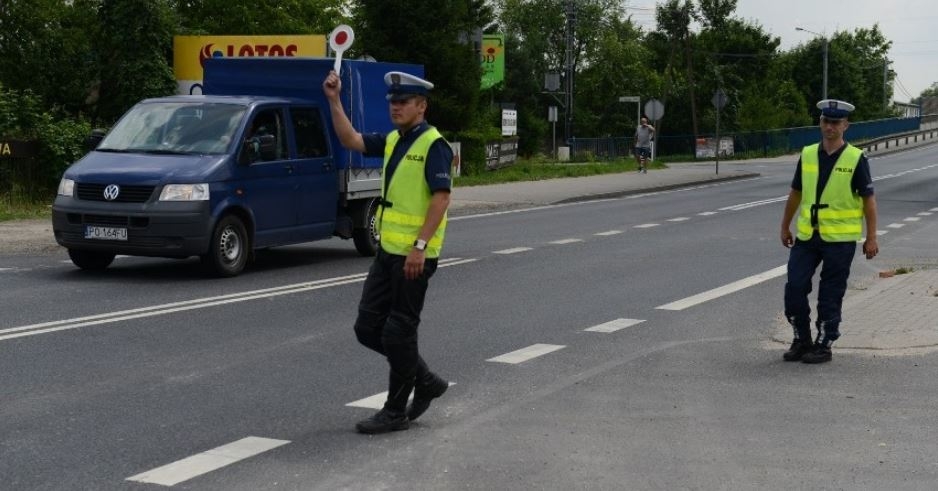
128	193
105	220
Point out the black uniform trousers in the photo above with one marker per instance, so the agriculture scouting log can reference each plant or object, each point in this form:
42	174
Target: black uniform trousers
388	317
803	260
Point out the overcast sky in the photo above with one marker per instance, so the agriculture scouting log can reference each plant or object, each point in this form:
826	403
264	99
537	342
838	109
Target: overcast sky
911	25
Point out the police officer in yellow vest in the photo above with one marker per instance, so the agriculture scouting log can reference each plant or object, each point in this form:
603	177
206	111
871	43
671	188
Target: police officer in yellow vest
832	195
412	223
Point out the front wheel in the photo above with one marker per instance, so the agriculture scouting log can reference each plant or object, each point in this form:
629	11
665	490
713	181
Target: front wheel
228	252
90	260
366	238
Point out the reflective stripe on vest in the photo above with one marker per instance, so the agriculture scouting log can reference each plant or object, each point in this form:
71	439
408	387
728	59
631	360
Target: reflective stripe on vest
840	210
409	196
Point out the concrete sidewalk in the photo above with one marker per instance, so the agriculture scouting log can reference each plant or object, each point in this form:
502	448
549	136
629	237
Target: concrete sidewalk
554	191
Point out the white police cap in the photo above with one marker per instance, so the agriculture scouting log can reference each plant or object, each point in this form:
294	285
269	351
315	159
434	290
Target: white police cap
404	86
835	109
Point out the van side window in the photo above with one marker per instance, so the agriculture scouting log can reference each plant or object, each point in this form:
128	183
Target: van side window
310	135
270	122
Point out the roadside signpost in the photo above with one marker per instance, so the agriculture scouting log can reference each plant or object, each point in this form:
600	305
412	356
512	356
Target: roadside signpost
719	100
654	109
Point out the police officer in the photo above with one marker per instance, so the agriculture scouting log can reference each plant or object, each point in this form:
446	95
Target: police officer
411	224
832	194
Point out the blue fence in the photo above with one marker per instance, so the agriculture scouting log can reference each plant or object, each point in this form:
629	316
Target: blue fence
750	144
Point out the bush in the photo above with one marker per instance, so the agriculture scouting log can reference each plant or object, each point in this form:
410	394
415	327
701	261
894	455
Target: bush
61	142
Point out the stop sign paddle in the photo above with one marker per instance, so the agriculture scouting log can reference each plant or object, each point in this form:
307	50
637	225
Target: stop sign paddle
339	40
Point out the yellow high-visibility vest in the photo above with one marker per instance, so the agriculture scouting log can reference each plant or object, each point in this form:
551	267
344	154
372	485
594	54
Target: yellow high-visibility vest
408	195
840	209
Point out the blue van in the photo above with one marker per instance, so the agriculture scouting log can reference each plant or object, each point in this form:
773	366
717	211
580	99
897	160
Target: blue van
254	163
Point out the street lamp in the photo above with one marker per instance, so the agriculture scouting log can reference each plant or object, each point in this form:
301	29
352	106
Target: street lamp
825	46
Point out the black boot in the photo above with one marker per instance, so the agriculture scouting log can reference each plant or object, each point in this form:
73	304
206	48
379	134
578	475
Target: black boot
797	350
425	391
393	416
382	422
819	354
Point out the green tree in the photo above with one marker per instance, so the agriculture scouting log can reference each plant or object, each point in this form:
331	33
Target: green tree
435	35
134	53
227	17
46	46
855	70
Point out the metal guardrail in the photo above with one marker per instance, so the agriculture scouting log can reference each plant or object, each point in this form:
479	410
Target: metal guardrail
895	141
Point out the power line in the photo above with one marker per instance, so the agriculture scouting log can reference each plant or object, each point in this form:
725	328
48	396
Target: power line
903	89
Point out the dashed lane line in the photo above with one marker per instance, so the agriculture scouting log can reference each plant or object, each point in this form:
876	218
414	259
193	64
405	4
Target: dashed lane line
707	213
513	250
565	241
613	326
608	233
647	225
895	225
724	290
208	461
377	401
679	219
924	214
524	354
911	219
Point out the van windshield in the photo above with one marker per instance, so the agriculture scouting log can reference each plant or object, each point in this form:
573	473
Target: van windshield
175	128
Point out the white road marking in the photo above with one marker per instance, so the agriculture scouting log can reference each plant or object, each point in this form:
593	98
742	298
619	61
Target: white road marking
724	290
377	401
566	241
882	232
525	354
911	219
753	204
608	232
613	326
6	269
924	213
679	219
933	209
895	225
647	225
707	213
513	250
208	461
200	303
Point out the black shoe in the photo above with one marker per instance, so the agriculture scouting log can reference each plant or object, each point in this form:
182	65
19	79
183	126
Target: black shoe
382	422
423	394
820	354
797	350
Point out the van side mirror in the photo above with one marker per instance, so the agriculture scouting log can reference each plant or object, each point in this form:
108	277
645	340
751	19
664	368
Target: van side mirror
94	139
259	147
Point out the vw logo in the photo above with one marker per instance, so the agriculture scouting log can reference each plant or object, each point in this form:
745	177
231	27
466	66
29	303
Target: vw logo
111	192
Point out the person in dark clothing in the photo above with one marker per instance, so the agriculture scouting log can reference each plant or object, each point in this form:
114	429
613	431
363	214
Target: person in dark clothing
411	224
832	194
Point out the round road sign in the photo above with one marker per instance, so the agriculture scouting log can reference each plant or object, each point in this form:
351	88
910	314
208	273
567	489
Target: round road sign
654	109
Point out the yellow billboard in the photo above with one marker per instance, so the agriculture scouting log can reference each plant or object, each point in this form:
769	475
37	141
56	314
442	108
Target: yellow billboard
190	52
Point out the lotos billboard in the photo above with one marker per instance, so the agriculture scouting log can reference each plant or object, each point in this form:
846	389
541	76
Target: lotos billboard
189	52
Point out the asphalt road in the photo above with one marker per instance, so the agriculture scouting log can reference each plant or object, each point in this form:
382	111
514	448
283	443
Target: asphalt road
642	383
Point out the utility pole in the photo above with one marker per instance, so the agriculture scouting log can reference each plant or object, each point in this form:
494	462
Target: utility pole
570	9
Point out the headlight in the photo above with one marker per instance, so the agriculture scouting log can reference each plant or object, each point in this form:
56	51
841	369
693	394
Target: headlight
66	187
184	192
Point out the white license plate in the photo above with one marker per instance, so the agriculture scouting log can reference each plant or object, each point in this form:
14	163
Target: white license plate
105	233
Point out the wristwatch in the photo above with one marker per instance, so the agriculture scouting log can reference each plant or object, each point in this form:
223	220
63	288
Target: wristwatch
420	245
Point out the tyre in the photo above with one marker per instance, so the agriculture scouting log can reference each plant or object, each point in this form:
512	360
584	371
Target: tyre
91	260
230	248
366	238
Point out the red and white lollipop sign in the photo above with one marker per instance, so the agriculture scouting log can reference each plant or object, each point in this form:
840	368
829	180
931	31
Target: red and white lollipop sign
339	40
